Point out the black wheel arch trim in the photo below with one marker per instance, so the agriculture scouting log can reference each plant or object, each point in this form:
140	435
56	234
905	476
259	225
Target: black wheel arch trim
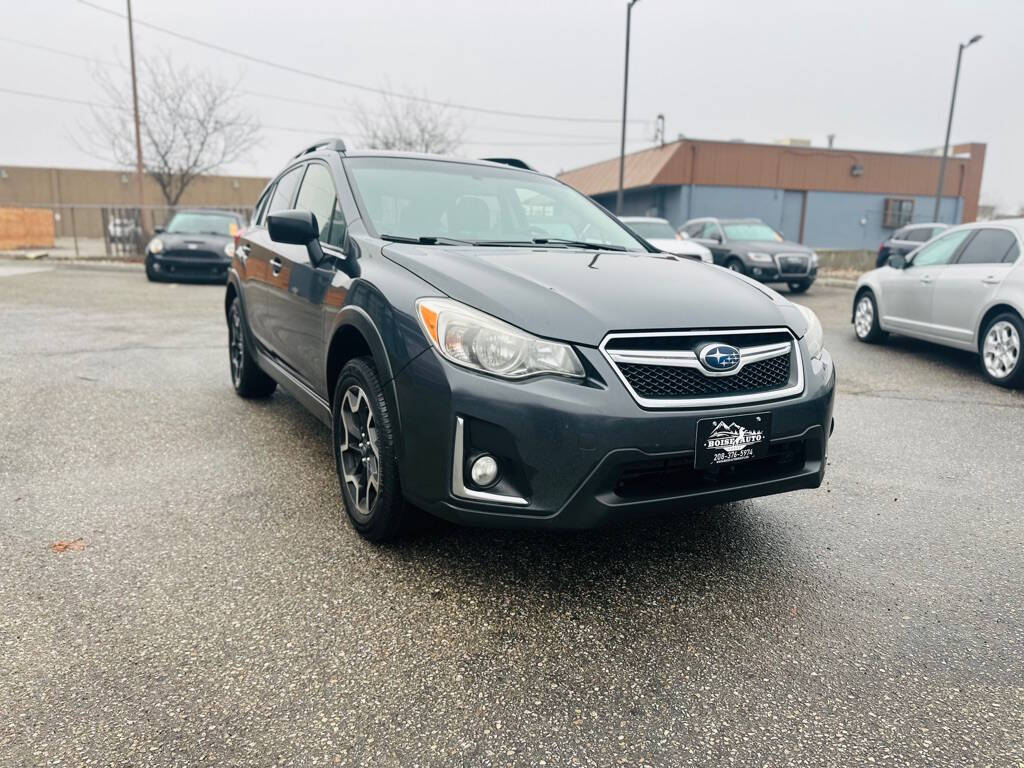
354	316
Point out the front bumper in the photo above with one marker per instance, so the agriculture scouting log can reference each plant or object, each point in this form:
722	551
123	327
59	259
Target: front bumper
579	455
175	267
769	273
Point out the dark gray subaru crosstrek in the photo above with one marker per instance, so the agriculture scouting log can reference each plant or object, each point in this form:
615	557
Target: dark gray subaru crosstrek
491	346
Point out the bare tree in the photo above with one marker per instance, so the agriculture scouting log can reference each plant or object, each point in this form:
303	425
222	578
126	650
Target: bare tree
407	124
191	124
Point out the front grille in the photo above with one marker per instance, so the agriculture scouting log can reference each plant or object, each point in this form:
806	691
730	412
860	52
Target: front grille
182	253
656	381
793	264
655	478
664	370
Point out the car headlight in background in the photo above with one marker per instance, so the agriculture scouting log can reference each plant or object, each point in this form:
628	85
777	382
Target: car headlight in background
229	250
155	245
814	259
761	257
815	336
476	340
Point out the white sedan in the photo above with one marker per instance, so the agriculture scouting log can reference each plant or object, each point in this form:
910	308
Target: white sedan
659	233
963	289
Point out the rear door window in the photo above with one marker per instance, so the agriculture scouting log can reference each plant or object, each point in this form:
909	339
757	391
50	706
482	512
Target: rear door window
919	235
988	246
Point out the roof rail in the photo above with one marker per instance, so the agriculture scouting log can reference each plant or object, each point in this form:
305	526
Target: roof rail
336	144
515	162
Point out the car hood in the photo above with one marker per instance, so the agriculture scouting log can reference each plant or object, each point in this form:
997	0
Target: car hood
682	247
765	246
579	296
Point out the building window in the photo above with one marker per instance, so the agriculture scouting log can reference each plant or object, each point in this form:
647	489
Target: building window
898	212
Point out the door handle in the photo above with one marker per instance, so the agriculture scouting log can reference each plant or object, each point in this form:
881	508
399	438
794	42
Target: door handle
990	280
275	265
926	279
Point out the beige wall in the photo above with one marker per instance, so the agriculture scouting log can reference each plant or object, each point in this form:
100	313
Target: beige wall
78	194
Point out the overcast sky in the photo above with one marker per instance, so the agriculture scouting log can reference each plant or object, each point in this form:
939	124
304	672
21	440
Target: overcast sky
877	74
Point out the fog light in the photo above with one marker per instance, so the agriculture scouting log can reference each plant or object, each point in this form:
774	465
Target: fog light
484	471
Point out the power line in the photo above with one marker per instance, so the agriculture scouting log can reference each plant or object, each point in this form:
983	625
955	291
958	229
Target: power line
348	83
308	129
292	99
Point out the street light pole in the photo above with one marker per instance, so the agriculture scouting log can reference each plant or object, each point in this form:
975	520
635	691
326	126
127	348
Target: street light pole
135	104
949	124
625	91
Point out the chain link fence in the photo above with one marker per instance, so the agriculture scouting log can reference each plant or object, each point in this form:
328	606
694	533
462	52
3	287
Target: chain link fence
89	231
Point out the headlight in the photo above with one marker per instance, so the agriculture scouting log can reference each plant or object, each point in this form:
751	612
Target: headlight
484	343
815	336
155	245
762	257
229	250
814	259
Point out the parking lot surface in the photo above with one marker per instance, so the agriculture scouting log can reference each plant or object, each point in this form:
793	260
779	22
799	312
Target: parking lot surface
216	609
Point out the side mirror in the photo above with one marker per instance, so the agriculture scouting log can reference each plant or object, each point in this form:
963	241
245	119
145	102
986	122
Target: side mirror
898	261
159	230
297	228
715	238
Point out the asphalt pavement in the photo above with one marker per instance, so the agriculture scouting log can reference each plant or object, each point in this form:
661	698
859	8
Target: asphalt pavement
213	607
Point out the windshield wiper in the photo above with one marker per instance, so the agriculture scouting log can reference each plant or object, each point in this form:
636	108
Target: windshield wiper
426	240
577	244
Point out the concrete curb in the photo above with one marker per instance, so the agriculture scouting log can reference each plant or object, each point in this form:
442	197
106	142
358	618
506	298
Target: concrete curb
837	282
105	266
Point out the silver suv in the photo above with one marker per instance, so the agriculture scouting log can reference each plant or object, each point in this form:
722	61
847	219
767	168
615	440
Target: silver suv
963	289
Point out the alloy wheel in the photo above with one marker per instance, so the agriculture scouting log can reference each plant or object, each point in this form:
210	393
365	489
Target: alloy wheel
1001	351
360	450
235	345
864	317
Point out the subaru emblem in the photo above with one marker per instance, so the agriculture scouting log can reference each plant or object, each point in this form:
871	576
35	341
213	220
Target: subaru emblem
719	358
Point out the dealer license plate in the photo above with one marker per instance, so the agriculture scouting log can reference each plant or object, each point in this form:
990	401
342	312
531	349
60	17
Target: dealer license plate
732	439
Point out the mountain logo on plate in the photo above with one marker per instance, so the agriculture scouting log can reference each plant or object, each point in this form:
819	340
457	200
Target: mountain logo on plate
734	442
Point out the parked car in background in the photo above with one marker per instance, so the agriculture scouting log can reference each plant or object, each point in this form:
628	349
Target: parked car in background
474	364
123	230
752	248
906	239
195	245
964	289
659	233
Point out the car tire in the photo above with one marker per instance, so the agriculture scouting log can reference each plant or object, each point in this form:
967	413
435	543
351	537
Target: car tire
364	454
248	379
735	265
799	287
1001	350
865	319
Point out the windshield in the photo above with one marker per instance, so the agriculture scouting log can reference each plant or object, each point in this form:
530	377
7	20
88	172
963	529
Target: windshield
659	230
751	231
203	224
414	198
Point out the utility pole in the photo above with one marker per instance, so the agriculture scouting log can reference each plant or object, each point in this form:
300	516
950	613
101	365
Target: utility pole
135	103
949	124
625	91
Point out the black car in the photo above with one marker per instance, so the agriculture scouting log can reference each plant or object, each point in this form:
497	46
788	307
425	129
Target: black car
751	247
195	245
475	365
906	239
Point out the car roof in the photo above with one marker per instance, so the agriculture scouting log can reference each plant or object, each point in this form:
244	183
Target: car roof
352	153
217	211
1017	225
925	225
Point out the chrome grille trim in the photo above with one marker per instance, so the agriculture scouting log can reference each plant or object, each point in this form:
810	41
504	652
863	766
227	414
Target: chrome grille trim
804	256
682	358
